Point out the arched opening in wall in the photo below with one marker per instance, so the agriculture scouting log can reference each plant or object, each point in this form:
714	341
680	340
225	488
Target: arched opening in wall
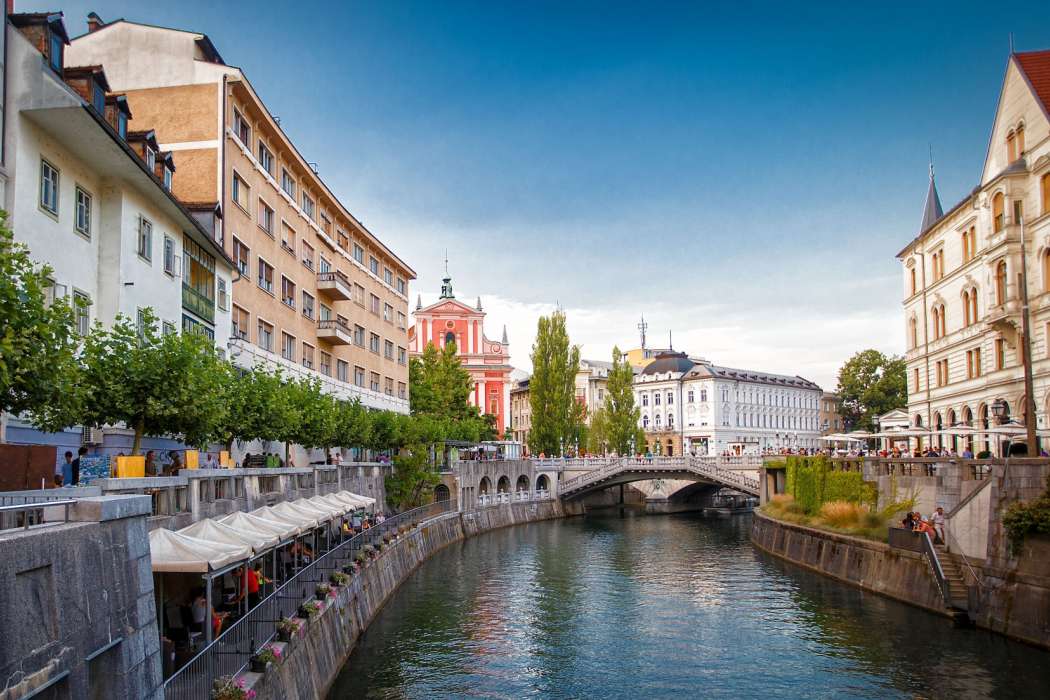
918	424
967	420
938	425
441	493
523	483
503	485
982	423
1000	283
542	483
951	424
670	449
485	486
450	337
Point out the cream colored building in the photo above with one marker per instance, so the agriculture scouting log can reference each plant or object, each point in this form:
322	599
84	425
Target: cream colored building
520	412
962	281
318	294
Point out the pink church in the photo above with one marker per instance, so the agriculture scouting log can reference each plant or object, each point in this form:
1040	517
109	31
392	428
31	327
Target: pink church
488	361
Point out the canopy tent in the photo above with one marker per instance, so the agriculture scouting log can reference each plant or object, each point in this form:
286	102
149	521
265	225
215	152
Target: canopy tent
248	522
321	513
300	521
839	437
308	519
215	531
341	506
177	553
355	499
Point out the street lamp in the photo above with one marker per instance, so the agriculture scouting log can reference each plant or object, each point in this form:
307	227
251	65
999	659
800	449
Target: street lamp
999	411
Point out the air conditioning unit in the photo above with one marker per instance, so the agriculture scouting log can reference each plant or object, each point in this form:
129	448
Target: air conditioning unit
91	436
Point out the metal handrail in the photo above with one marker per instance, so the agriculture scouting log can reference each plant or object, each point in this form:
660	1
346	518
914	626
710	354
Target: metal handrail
230	652
958	548
938	572
41	505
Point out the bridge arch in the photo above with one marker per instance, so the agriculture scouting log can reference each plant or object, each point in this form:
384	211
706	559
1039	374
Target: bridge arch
705	471
485	486
503	485
522	484
543	483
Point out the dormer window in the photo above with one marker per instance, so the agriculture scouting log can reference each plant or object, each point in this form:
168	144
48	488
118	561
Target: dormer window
122	125
151	159
57	46
167	178
98	98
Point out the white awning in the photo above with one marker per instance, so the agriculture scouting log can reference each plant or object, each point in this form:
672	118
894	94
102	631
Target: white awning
247	521
215	531
283	514
361	501
175	552
322	513
341	507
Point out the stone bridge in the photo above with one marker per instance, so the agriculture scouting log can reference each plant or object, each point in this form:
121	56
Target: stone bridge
728	472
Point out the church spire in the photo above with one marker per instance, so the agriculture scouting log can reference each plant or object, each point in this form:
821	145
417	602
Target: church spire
504	334
446	282
932	211
419	302
479	304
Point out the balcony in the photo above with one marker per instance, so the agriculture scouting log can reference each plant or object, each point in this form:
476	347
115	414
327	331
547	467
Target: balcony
1005	319
334	332
334	285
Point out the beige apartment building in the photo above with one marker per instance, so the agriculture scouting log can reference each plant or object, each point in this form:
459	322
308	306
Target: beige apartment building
962	274
830	414
318	294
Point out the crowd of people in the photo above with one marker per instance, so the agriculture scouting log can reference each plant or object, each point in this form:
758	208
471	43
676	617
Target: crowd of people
932	525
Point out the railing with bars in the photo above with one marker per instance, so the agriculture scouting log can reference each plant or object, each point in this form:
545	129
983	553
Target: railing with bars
231	652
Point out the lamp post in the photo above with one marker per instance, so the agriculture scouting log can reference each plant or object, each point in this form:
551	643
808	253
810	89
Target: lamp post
999	412
1026	351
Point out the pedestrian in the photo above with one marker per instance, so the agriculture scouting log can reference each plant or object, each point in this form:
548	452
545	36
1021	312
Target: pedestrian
64	469
76	466
938	524
209	462
176	463
909	521
152	469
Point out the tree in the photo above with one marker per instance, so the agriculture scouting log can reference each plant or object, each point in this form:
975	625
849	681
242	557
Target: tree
598	435
620	412
318	423
413	479
870	384
440	385
258	406
552	388
38	340
155	384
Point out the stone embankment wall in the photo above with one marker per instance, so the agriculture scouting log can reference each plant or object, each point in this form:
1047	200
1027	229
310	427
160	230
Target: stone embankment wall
312	661
873	566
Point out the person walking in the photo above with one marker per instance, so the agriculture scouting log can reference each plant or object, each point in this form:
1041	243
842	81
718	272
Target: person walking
75	476
938	520
64	471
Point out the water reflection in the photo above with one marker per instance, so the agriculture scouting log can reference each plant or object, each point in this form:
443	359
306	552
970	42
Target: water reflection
628	607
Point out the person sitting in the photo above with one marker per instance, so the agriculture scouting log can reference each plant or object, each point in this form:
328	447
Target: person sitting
909	521
923	526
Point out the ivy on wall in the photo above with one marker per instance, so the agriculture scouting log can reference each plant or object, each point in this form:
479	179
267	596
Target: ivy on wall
813	482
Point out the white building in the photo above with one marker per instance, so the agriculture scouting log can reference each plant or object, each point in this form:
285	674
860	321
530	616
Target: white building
962	281
693	405
92	198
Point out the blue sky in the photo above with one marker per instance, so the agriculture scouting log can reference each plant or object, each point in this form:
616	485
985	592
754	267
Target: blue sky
741	173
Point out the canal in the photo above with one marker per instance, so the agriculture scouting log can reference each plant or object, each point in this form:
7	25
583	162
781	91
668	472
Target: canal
629	606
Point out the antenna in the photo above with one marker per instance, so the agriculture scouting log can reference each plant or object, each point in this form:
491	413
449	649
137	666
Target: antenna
931	160
446	262
1011	43
642	327
670	342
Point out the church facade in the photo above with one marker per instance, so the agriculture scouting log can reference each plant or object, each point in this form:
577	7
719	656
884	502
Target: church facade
449	320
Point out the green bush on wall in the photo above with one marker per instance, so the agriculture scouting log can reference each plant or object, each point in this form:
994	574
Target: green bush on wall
812	482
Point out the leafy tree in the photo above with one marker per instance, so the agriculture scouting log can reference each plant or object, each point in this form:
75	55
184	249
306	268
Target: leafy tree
172	384
440	385
870	384
318	423
598	435
38	342
552	388
413	479
258	407
620	411
353	425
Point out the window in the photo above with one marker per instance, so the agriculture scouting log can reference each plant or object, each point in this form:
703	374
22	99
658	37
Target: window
169	255
342	370
323	265
288	292
241	319
83	213
151	159
373	265
388	276
57	45
998	217
308	206
373	383
937	260
388	350
656	420
401	286
359	376
325	313
167	328
645	399
48	187
287	346
265	336
1011	147
656	398
145	239
98	98
241	254
670	398
942	372
326	224
401	319
287	183
308	255
915	378
241	193
308	305
341	240
266	158
703	395
198	281
645	422
326	364
388	313
265	276
359	294
167	177
374	304
242	130
373	343
1020	140
359	336
1000	283
1045	189
1000	353
690	397
122	125
287	237
359	254
402	356
82	311
402	390
266	218
973	363
308	356
388	386
1018	211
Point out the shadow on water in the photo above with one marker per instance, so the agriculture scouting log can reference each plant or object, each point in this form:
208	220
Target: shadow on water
623	605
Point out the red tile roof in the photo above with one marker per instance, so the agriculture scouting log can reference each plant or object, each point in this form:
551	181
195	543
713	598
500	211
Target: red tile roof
1036	67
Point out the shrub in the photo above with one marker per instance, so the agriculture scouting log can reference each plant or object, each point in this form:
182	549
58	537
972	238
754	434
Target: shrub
1031	518
287	628
226	688
842	514
322	590
268	654
339	578
310	609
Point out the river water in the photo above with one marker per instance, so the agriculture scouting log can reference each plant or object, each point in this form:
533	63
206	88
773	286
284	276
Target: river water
624	605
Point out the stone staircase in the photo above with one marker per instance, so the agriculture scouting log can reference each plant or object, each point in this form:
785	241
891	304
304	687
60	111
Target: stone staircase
957	591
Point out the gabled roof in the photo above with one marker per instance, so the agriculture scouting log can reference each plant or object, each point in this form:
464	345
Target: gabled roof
1035	67
453	301
932	211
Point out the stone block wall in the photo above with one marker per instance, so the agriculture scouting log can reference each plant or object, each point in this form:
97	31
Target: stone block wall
77	606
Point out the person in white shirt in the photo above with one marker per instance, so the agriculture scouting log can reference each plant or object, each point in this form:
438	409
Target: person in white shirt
937	520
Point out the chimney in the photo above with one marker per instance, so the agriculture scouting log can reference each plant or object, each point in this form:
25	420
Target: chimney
10	7
94	22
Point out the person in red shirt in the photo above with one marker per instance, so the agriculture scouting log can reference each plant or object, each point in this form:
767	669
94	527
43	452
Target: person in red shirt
249	585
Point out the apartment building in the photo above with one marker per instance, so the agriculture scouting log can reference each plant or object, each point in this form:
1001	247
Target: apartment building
317	293
89	191
962	273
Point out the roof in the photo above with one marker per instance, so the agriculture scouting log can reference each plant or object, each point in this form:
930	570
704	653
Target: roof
750	375
1035	66
669	362
96	72
25	19
932	211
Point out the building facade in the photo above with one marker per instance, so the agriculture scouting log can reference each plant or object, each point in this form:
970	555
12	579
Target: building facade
831	414
962	281
90	192
520	413
449	320
317	294
695	406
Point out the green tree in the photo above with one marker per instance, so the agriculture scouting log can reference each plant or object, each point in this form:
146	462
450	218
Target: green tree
172	384
38	342
598	434
620	411
412	482
440	385
258	407
353	425
870	384
318	422
552	388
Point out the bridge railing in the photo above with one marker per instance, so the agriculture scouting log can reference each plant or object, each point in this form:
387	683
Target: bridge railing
715	468
493	499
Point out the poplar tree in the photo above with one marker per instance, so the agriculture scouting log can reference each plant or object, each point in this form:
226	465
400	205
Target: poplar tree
621	415
552	388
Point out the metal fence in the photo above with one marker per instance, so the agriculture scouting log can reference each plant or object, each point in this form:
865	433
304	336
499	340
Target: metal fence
231	651
32	514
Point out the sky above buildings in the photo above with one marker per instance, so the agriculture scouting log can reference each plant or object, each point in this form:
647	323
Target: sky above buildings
742	174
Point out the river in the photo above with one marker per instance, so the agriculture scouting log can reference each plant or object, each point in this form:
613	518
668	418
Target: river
624	605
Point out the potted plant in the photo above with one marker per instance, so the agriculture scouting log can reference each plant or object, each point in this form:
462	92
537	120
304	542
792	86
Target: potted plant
360	561
370	551
338	578
388	537
287	629
310	609
261	660
322	590
226	688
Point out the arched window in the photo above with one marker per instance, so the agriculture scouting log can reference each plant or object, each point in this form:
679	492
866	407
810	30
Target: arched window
645	422
1000	283
1046	193
656	420
1011	147
998	210
973	306
670	420
450	337
1020	140
972	235
966	246
935	313
966	308
913	332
